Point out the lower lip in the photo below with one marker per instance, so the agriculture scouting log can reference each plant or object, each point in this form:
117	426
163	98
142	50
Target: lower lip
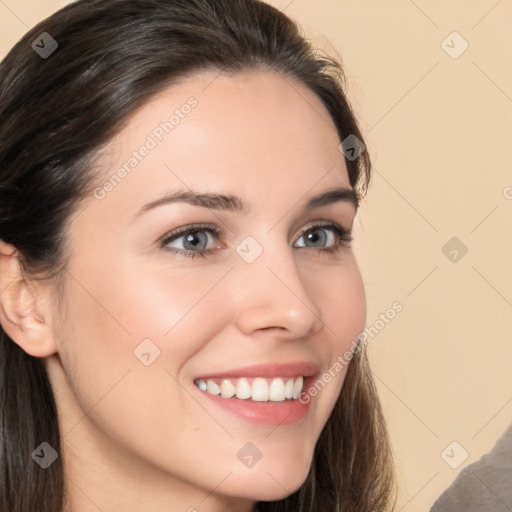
265	413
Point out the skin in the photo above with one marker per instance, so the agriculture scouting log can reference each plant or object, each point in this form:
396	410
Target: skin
133	439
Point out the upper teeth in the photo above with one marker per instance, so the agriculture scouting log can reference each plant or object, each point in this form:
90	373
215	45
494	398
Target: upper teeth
259	390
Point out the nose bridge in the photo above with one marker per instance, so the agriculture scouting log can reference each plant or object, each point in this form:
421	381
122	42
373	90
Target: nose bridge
273	293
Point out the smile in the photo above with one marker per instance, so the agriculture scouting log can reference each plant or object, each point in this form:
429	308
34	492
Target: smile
257	389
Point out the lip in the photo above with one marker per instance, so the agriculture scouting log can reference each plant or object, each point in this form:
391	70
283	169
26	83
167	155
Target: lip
265	413
267	370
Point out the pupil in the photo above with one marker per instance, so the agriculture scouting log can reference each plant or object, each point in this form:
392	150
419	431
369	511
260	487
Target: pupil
190	239
314	237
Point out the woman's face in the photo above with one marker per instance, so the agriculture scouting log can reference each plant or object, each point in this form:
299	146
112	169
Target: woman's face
144	323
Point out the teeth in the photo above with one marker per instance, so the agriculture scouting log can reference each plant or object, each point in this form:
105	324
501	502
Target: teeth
288	389
227	390
258	389
211	387
243	389
276	391
297	388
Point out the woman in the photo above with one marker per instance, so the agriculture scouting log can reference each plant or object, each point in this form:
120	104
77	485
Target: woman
180	304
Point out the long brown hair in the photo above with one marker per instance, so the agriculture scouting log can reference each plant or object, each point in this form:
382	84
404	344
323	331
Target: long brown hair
57	111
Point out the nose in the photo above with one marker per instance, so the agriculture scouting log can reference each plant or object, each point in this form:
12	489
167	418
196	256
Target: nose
273	297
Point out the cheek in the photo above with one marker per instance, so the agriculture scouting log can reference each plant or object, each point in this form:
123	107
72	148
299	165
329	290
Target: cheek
124	307
149	324
122	396
340	295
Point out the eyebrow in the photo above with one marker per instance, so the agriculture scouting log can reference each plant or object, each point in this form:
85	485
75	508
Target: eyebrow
233	203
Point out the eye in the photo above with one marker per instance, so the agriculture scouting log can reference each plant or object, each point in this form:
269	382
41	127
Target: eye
192	241
325	237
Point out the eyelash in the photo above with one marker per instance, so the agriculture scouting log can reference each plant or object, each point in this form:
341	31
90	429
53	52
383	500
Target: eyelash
343	238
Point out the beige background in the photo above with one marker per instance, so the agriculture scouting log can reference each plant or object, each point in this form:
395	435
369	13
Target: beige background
439	131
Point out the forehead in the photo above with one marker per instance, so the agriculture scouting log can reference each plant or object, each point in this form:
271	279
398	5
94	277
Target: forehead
258	134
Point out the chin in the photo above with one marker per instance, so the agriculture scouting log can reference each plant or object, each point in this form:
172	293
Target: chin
273	484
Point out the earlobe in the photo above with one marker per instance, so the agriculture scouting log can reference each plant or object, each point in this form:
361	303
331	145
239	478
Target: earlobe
25	315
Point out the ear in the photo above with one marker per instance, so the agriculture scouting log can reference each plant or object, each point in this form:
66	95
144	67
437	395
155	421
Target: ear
25	312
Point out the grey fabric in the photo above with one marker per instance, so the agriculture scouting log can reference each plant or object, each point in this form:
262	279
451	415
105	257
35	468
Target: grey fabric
485	485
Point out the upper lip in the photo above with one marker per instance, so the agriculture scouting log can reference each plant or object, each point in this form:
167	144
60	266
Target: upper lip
268	370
